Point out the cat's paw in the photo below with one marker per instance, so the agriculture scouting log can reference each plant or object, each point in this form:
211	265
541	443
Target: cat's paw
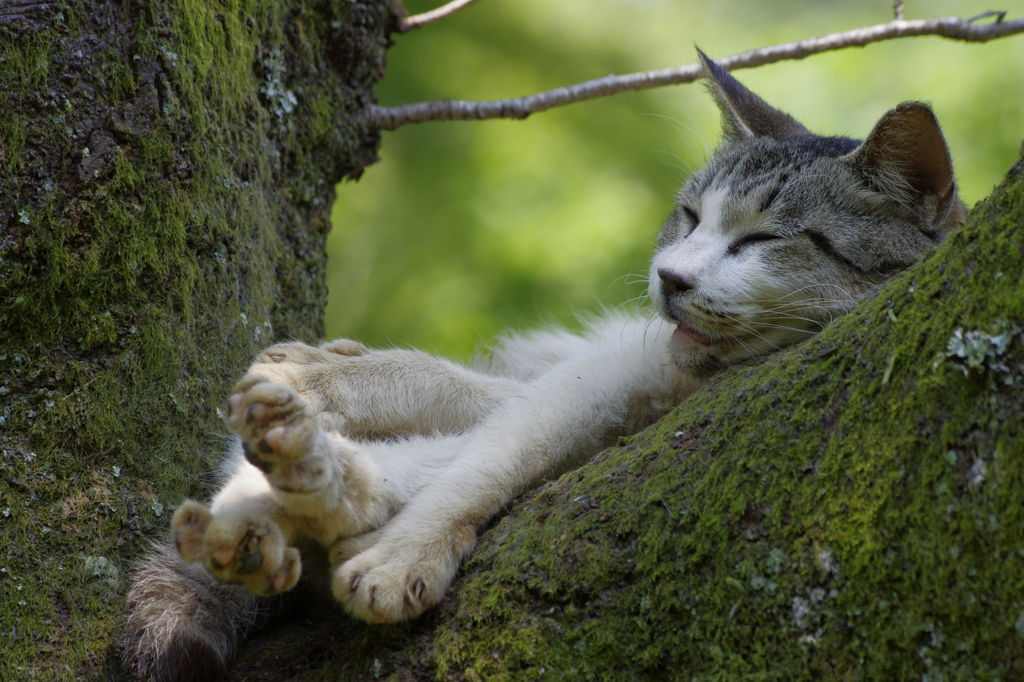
304	354
279	434
394	579
320	375
301	354
236	548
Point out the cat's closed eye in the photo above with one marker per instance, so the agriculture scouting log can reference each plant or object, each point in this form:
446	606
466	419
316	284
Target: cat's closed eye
746	239
692	217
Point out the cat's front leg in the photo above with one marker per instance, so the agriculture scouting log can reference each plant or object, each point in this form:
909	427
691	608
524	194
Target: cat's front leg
400	570
405	567
578	407
397	572
362	392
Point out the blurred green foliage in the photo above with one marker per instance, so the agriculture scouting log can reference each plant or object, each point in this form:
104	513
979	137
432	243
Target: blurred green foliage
467	229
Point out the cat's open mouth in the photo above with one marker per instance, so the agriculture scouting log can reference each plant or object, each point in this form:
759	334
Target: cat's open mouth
692	335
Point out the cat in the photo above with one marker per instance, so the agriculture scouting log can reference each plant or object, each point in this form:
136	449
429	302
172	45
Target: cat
390	460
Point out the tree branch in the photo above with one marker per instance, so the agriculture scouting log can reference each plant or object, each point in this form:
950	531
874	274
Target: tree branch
954	28
417	20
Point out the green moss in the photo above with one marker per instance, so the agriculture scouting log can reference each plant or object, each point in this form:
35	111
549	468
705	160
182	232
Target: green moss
14	134
118	78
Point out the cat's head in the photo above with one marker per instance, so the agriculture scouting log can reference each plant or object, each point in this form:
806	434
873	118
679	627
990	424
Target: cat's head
783	230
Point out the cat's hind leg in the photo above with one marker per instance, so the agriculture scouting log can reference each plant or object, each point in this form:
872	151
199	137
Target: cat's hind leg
245	537
182	622
280	437
239	546
300	480
327	485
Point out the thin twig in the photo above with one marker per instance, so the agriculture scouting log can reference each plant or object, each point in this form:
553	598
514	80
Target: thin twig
418	20
954	28
897	10
999	14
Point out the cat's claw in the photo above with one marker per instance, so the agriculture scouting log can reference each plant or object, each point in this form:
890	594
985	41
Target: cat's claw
395	581
236	549
386	592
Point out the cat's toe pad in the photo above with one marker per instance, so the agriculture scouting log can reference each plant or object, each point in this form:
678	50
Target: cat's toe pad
272	422
237	549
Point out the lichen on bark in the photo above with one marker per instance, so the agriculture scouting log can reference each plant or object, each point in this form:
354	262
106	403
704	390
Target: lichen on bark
168	171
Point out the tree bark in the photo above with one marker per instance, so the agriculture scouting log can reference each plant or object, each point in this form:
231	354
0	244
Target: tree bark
168	173
850	508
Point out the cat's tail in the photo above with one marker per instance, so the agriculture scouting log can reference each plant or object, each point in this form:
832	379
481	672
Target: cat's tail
181	625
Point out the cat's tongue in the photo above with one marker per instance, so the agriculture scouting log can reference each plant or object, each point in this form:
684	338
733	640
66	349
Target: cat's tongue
693	335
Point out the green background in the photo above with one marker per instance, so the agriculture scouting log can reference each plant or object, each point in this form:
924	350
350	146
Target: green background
467	229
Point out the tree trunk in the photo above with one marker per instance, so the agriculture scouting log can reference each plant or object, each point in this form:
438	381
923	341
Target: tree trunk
168	172
850	508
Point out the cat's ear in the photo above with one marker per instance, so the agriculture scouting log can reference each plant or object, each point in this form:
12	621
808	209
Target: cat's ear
744	114
906	157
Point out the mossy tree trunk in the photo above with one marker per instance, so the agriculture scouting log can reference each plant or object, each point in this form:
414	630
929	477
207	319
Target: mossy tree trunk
852	508
167	176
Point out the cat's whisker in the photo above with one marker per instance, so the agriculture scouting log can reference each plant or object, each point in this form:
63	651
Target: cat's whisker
768	325
693	128
811	302
686	168
816	285
791	316
826	305
652	317
681	127
629	302
751	330
820	325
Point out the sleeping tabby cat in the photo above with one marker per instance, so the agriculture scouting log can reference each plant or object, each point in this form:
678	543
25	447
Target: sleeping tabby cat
389	461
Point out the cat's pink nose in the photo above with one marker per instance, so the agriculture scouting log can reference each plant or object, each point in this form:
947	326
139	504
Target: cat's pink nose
673	283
